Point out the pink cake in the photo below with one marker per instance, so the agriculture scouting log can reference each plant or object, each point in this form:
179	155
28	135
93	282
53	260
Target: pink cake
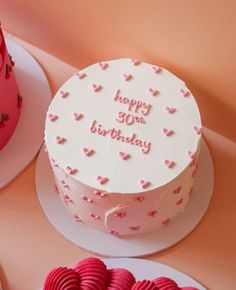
92	274
10	100
123	139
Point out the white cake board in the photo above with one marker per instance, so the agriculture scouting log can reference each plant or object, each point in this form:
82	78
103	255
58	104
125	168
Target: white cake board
29	134
129	246
144	269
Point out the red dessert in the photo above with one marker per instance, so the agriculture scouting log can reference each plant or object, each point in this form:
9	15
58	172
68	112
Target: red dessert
92	274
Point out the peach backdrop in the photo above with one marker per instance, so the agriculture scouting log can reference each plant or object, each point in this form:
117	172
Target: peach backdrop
197	41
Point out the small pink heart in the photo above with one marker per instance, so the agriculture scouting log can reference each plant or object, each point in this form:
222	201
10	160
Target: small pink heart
102	180
198	130
170	110
64	94
96	217
144	183
127	77
139	198
177	190
103	65
100	194
113	233
52	117
165	222
60	140
153	92
184	93
87	199
124	156
71	170
169	163
134	228
96	88
152	213
67	199
135	61
191	154
120	214
80	75
156	69
78	116
77	218
88	152
64	184
167	132
180	201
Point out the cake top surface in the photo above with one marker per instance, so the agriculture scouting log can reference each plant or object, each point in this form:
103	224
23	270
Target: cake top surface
123	126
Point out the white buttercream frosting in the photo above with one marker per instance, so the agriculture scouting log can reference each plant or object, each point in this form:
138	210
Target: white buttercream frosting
124	128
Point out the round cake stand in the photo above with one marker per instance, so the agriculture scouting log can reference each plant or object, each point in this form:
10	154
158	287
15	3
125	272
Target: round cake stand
144	269
29	133
128	246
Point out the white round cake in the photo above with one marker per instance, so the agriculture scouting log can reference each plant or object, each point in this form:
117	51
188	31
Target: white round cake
123	139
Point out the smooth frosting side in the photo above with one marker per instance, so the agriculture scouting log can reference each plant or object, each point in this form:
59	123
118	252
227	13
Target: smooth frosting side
116	213
10	100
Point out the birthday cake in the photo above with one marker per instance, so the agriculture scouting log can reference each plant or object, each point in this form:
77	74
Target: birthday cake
91	273
123	139
10	99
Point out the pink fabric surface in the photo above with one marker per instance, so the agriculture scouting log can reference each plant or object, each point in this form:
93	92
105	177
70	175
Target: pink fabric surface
196	42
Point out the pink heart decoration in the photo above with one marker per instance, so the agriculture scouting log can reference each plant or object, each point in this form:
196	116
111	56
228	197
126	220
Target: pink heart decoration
124	156
152	213
153	92
71	170
87	199
144	184
64	94
184	93
127	77
165	222
139	198
64	184
198	130
169	163
100	194
135	61
120	214
103	65
191	154
96	217
96	88
170	110
134	228
88	152
52	117
80	75
113	233
156	69
77	218
177	190
180	201
167	132
102	180
60	140
78	116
